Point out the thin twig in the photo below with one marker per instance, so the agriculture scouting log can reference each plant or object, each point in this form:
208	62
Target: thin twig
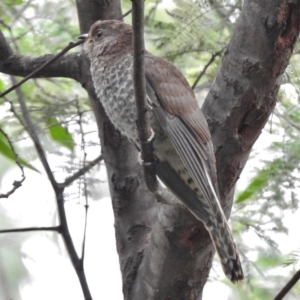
127	13
145	132
213	57
86	206
4	24
26	229
288	286
16	183
61	53
290	122
152	12
30	127
81	172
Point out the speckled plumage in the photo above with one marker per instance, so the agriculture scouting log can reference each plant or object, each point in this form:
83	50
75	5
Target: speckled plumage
182	140
116	86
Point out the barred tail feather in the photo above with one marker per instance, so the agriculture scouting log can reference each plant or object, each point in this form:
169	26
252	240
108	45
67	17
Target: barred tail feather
227	252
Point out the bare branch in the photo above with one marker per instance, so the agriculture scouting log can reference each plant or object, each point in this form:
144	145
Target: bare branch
213	56
15	230
86	206
19	65
35	73
145	132
16	183
127	13
290	122
288	286
4	24
31	129
81	172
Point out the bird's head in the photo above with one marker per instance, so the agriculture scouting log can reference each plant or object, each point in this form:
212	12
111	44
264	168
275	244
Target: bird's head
107	38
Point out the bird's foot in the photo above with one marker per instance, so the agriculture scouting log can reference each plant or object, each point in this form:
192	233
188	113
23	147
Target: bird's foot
147	164
150	138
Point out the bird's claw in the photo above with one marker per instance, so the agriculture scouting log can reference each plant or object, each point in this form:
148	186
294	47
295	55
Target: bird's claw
150	138
147	164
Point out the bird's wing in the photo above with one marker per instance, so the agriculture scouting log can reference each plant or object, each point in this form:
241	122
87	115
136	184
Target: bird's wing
176	108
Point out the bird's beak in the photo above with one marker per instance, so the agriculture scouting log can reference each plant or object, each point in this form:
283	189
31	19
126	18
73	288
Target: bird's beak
83	36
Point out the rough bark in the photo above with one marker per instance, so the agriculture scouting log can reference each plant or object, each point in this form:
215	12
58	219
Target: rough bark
244	92
164	252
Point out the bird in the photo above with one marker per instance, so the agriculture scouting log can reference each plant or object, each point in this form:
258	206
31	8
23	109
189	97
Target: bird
182	144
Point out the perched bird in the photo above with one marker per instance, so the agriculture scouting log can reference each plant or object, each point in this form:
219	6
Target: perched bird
182	142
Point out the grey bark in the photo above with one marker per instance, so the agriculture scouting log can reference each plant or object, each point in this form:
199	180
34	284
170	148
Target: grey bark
164	252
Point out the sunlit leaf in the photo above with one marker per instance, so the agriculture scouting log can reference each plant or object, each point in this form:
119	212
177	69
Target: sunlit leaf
60	134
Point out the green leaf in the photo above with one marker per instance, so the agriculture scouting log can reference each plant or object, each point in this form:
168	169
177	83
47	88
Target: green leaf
260	181
270	261
60	134
13	2
257	184
6	151
2	86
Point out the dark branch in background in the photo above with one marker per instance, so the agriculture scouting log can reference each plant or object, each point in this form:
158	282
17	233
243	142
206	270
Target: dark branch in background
26	229
33	133
213	57
30	127
16	183
288	286
35	72
4	24
127	13
145	132
86	206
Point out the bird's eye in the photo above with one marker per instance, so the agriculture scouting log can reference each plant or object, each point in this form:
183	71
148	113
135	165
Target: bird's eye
99	33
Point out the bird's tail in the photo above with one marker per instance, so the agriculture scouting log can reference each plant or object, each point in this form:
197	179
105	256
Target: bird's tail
227	251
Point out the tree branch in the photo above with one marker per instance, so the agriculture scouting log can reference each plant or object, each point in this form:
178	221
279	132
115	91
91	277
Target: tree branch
213	56
18	65
26	229
243	95
36	72
86	206
81	172
145	133
127	13
288	286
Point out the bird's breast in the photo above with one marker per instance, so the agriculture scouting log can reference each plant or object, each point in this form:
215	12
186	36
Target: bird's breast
114	87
